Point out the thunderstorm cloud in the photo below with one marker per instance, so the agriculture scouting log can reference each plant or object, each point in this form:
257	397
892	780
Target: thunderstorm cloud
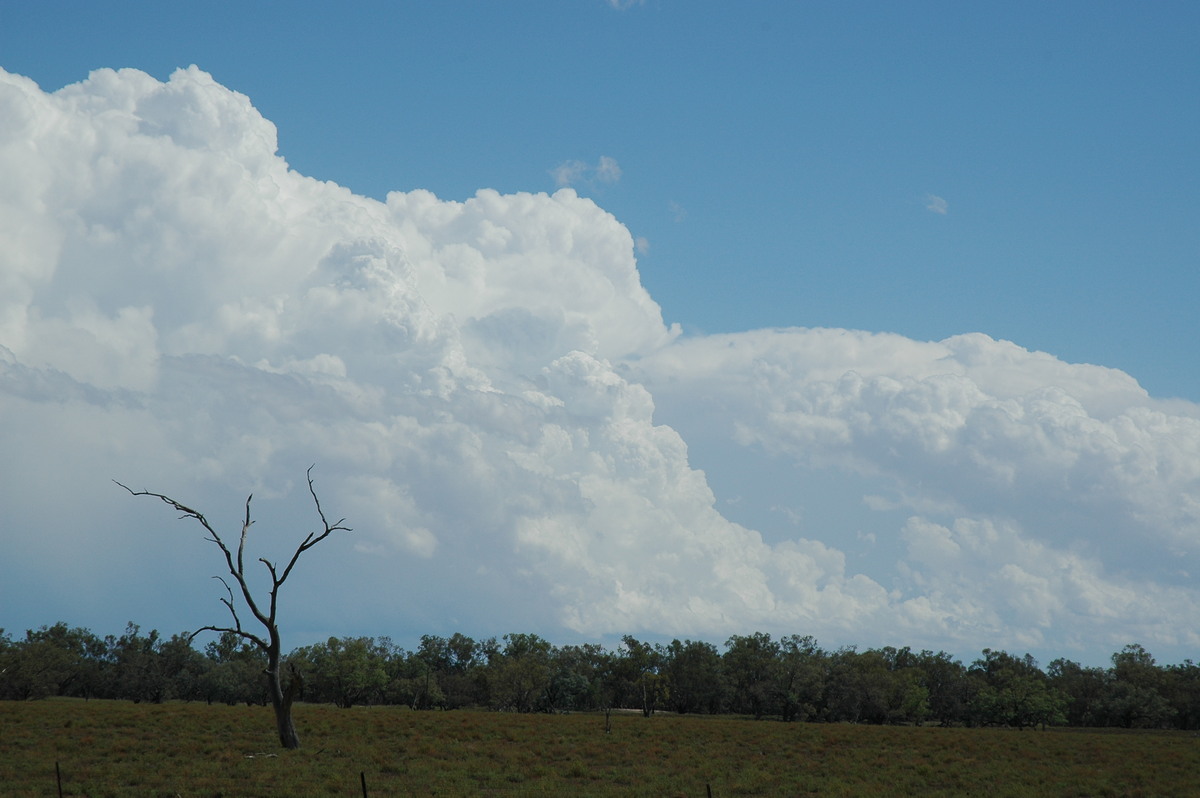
495	403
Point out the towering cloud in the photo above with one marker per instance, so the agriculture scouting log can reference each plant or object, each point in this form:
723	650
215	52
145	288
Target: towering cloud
494	402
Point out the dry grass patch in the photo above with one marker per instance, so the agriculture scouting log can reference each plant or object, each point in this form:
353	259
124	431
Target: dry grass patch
119	749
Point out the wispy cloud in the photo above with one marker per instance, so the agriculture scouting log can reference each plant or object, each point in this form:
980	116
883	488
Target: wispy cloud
608	170
568	172
936	204
575	172
622	5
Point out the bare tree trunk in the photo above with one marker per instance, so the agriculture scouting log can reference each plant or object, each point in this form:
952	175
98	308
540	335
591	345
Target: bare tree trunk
282	696
281	701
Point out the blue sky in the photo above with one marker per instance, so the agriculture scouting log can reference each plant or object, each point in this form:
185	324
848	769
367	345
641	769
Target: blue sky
874	320
778	157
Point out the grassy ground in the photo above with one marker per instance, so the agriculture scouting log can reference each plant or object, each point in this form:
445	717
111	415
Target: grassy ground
120	749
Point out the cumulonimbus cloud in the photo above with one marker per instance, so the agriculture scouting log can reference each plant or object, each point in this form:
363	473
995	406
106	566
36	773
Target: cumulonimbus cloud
496	404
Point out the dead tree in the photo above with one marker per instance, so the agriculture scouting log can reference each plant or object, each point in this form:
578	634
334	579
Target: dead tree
282	695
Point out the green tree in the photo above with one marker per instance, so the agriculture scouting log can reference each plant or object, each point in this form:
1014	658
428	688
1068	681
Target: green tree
1130	706
137	666
1132	697
345	671
8	659
1181	688
234	673
51	660
579	677
1015	692
945	680
414	682
519	677
638	668
694	676
909	699
751	664
455	663
1082	689
861	687
184	668
800	677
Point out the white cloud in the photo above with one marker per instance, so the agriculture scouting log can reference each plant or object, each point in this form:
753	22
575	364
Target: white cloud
568	172
608	170
936	204
484	386
1054	500
1034	594
575	172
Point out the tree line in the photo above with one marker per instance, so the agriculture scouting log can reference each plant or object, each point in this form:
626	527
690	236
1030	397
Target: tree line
790	678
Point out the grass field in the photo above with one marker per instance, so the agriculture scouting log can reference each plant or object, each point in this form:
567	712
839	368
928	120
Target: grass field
106	748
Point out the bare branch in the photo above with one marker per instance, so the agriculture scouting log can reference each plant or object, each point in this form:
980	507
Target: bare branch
237	627
253	638
270	567
188	512
229	603
235	569
313	538
320	512
245	529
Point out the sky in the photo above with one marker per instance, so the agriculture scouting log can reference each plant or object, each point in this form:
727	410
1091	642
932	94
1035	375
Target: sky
870	321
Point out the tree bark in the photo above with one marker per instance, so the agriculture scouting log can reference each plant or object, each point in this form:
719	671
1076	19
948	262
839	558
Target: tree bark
281	702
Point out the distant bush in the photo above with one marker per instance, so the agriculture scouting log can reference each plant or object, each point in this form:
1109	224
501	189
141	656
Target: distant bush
791	678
